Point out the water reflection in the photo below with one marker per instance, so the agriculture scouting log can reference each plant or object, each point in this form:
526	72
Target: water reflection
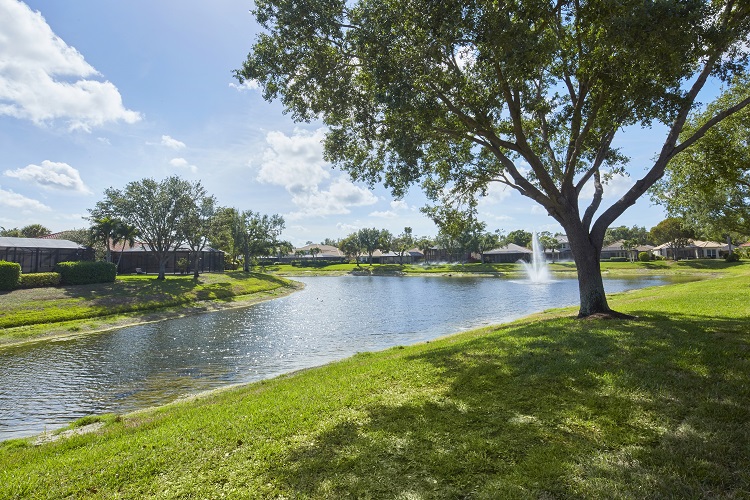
44	386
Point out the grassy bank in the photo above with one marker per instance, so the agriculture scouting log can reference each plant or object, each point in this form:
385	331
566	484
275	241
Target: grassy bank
31	313
612	269
545	407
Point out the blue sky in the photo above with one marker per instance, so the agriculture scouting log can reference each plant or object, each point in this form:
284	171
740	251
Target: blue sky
98	93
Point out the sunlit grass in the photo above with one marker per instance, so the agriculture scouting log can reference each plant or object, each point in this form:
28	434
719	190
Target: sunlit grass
127	294
547	407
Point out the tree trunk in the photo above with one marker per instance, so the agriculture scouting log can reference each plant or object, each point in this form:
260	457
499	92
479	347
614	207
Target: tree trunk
590	284
195	265
162	268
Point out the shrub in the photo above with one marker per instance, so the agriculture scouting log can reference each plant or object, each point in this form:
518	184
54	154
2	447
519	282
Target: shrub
183	265
85	272
732	257
644	256
39	280
10	275
618	259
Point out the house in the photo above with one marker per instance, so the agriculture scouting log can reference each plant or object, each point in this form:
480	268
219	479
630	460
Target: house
695	249
327	253
410	257
562	253
617	249
509	253
40	255
139	259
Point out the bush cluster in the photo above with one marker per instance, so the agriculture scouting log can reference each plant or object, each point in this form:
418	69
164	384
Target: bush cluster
86	272
732	257
618	259
310	263
39	280
644	256
10	275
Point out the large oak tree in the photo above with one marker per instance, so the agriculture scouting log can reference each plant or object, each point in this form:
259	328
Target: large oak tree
528	93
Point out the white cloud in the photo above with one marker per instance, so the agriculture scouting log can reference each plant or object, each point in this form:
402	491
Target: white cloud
15	201
43	79
496	193
614	188
247	85
387	214
171	142
51	175
347	228
296	163
183	163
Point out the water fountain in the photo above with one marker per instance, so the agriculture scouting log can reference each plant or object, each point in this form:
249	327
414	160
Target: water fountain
537	270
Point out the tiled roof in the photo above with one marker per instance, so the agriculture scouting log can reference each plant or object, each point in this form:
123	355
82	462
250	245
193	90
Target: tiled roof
509	248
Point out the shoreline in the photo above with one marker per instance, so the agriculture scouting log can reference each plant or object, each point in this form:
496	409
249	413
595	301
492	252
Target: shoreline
66	330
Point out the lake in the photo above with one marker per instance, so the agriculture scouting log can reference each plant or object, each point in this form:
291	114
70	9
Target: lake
44	386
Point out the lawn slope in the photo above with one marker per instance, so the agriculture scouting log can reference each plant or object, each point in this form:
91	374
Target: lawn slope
548	407
40	312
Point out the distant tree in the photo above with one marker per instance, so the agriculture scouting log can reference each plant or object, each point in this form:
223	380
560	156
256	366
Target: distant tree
674	232
156	209
125	234
369	240
257	235
424	244
314	251
103	231
488	241
300	253
640	234
197	222
403	243
549	242
351	247
221	234
330	242
34	231
458	228
284	248
11	233
629	246
519	237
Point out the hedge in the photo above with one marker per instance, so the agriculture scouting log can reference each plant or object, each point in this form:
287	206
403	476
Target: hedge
10	275
39	280
86	272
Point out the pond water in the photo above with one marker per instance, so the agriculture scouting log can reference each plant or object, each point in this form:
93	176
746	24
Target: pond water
46	385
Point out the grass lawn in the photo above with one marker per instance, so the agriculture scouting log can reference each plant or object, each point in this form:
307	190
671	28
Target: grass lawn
33	312
545	407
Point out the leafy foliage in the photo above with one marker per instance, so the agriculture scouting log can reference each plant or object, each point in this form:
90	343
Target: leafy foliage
10	274
709	185
457	95
39	280
85	272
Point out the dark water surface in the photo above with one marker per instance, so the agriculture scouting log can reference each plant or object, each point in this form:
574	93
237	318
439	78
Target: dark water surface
46	385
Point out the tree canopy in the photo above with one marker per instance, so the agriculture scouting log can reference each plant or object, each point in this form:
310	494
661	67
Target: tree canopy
526	93
709	185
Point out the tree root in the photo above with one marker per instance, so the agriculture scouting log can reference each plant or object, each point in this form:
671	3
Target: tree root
608	315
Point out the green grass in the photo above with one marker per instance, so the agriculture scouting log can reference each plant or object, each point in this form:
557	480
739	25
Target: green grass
546	407
128	294
611	269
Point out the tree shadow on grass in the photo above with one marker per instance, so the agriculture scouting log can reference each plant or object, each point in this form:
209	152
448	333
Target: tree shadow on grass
656	407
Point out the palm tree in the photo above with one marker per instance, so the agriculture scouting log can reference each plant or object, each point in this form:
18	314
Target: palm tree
103	230
126	234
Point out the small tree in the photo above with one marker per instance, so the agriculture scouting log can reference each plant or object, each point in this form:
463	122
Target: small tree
196	225
156	209
34	231
403	243
125	234
314	251
351	247
487	242
674	232
369	240
425	244
103	231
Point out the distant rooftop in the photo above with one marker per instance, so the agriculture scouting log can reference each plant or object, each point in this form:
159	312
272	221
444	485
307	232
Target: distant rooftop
12	242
